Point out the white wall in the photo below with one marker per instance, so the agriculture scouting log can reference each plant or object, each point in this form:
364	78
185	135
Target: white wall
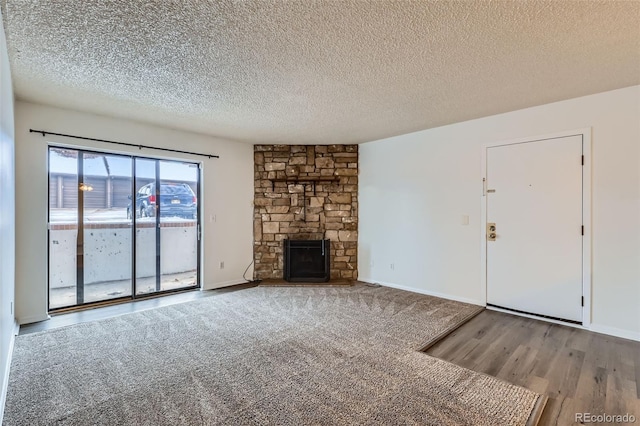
227	191
7	218
415	188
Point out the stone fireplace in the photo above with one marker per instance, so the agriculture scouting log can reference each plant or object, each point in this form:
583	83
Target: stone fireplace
305	192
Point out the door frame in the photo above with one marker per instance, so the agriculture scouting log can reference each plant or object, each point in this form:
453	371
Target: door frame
585	133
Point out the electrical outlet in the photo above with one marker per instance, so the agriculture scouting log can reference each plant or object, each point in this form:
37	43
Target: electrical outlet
222	265
393	266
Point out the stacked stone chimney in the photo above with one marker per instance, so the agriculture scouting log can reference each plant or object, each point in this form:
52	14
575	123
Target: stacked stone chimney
305	192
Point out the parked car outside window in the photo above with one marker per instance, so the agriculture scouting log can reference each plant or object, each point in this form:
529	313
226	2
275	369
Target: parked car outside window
176	200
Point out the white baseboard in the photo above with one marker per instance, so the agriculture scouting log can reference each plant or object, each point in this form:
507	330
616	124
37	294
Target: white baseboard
7	368
214	286
616	332
425	292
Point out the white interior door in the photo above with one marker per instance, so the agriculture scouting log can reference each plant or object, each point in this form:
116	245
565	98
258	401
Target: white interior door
534	197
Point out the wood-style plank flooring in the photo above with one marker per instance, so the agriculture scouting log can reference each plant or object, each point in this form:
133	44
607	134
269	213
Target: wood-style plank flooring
578	370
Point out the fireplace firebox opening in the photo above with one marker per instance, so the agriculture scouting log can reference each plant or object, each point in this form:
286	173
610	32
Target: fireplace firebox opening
306	260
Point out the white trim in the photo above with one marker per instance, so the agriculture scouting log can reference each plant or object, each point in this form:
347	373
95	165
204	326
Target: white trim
33	318
7	368
483	227
203	227
367	280
425	292
214	286
617	332
586	215
586	221
575	132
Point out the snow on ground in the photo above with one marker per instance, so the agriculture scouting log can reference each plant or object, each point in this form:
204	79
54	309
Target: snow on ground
117	215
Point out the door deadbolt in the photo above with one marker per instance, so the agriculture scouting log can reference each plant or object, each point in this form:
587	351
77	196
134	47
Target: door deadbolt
491	231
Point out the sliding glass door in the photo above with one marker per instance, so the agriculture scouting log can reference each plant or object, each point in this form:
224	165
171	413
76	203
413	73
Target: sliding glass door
63	227
178	224
104	236
166	220
120	226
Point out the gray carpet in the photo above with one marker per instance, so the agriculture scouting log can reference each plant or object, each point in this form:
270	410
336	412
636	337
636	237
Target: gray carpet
265	355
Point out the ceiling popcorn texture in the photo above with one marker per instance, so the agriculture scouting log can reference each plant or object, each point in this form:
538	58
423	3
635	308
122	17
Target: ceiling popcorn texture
316	72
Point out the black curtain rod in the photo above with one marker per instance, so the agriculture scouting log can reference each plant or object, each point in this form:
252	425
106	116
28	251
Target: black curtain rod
44	133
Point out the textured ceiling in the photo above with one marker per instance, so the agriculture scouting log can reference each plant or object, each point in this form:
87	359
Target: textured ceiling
316	71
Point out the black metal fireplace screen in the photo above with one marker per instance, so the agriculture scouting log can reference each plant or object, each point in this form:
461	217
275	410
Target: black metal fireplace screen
306	260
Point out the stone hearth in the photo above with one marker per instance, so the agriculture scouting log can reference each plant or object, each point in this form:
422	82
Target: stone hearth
305	192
